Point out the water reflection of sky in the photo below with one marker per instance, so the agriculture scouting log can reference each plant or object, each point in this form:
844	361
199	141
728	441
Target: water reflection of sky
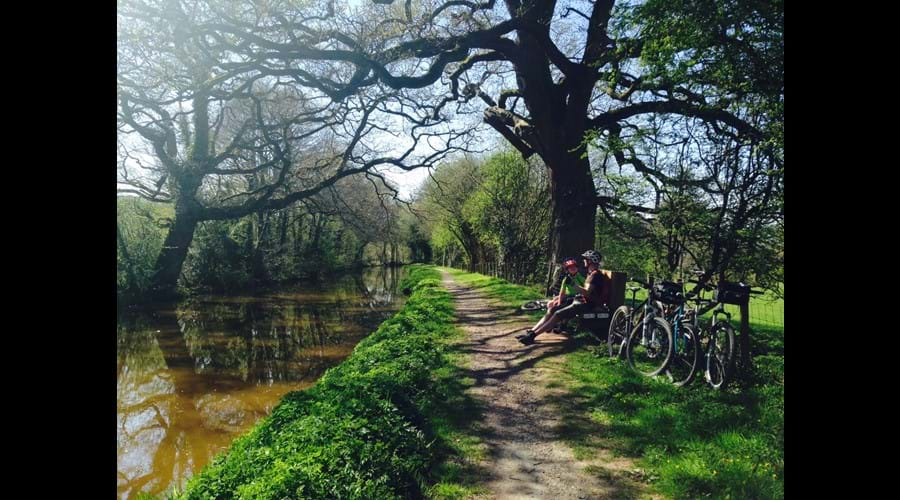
192	376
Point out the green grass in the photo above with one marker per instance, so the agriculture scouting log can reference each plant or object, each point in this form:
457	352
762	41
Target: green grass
458	474
497	288
692	442
391	421
696	442
500	290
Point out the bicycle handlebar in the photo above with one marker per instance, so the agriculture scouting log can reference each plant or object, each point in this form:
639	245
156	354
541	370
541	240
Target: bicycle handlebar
706	286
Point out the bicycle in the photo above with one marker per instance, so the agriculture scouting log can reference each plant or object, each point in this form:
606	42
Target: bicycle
686	343
535	305
717	335
623	320
650	345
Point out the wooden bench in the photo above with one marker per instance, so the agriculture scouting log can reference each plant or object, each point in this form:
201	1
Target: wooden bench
597	320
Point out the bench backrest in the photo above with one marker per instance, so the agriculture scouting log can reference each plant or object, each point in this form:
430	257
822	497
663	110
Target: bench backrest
615	286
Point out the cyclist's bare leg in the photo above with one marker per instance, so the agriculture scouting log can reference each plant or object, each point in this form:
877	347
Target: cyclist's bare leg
547	326
542	321
547	316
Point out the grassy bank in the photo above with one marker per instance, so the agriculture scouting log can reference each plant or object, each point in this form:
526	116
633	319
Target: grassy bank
388	422
689	442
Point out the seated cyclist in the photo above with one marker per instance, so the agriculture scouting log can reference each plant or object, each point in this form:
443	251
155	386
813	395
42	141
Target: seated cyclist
567	293
591	295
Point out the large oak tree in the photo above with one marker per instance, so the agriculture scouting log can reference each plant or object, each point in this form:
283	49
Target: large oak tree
547	73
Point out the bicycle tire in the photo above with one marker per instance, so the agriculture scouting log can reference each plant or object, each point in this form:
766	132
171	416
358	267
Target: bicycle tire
686	356
720	355
534	305
618	331
659	355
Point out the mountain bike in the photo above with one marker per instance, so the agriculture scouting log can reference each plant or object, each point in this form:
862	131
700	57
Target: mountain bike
623	320
686	351
650	345
717	338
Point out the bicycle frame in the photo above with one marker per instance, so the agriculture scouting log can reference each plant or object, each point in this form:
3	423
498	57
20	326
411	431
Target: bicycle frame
676	324
647	319
634	309
716	308
720	309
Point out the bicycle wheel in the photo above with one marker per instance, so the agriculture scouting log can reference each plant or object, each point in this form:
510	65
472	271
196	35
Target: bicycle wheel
686	357
650	352
618	331
534	305
720	355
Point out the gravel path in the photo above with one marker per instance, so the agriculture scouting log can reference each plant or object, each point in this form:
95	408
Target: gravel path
526	458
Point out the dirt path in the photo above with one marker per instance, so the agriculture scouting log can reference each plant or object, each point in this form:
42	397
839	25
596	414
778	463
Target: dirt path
526	458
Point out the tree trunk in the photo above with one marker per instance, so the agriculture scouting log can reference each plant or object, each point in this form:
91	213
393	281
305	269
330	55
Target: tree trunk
319	224
258	265
574	212
263	244
171	257
359	253
185	183
298	240
283	231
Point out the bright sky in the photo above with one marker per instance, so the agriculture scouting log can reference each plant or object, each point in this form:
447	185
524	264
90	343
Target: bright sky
407	181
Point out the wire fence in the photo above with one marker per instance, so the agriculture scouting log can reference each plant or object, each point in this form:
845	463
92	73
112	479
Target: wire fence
763	312
513	271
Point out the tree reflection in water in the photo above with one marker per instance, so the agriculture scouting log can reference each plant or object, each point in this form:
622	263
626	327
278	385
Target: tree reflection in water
193	375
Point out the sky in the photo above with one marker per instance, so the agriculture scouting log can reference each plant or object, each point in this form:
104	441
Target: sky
486	139
407	181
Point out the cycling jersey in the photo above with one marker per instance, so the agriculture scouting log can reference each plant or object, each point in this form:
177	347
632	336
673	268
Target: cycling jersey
599	289
578	279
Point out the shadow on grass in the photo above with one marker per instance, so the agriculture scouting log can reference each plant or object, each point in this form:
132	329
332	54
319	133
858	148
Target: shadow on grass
696	441
458	472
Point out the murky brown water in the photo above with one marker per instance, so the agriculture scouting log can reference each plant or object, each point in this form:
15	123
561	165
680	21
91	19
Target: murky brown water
193	376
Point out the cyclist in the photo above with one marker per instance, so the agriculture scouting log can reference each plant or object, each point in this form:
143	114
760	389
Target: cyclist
566	295
593	294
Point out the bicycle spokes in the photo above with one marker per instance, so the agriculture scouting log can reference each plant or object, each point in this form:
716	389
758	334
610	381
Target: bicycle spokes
650	347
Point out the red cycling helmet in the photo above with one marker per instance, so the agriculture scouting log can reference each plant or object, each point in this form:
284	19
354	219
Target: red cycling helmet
570	262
